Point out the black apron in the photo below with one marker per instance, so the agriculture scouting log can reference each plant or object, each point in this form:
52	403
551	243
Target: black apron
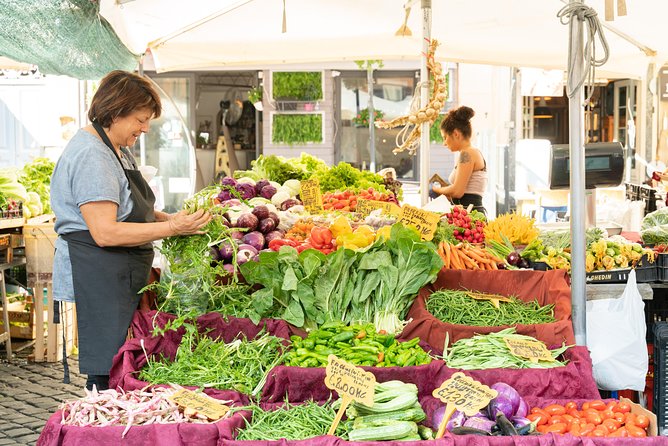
107	280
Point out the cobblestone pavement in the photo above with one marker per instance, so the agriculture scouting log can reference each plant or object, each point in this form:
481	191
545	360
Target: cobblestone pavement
30	393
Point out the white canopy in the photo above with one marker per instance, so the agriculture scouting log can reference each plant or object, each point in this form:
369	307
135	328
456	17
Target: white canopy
227	34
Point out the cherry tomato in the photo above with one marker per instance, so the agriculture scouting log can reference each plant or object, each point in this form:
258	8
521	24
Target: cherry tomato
570	405
597	404
630	418
642	421
555	419
621	432
600	431
575	413
623	407
607	414
587	429
611	425
539	419
555	409
635	431
593	418
559	428
575	430
619	417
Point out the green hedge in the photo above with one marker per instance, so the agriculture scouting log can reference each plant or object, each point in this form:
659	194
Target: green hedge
296	128
297	85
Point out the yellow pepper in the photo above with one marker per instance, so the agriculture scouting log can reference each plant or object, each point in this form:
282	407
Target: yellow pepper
352	241
384	232
340	226
368	233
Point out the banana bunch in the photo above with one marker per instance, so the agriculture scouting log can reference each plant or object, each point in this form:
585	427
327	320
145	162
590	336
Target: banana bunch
519	229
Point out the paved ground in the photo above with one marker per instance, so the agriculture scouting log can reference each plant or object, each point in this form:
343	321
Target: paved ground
30	393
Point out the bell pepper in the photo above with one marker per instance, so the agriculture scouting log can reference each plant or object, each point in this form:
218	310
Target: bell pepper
352	241
340	226
276	243
384	232
368	232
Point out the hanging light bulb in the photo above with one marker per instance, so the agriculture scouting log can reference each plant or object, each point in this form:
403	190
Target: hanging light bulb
542	111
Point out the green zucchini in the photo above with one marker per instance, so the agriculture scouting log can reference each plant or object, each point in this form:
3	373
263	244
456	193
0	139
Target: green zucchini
399	429
426	433
401	402
412	414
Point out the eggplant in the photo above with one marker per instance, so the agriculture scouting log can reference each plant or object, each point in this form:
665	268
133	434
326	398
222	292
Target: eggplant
462	430
505	426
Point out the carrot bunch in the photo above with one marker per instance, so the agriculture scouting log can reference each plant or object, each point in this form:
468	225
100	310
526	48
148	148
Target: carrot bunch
467	256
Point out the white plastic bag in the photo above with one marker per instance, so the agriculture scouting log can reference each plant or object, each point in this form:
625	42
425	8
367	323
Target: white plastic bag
616	333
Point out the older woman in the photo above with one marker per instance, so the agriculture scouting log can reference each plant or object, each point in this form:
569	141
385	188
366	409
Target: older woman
468	180
106	222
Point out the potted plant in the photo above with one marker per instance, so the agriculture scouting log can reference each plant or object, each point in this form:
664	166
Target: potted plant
255	97
362	118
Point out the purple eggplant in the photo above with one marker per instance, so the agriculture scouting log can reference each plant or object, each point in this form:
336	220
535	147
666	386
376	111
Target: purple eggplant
255	239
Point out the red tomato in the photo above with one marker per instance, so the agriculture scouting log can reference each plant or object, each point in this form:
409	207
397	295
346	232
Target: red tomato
555	419
559	428
621	432
538	418
611	425
571	405
623	407
642	421
555	409
587	429
635	431
597	404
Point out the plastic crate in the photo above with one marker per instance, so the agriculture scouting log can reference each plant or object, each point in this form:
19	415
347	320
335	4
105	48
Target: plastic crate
645	272
660	396
656	310
40	246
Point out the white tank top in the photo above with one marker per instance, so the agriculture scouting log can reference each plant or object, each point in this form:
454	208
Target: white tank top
477	182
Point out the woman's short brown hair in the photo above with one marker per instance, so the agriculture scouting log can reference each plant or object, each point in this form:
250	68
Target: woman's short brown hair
458	119
121	93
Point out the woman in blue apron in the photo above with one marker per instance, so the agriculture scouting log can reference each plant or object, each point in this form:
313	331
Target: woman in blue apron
106	222
468	180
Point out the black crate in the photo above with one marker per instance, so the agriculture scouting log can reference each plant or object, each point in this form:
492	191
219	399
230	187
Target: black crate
632	192
656	311
660	397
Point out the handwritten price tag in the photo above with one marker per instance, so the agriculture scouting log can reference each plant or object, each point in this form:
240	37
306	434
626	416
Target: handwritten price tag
365	207
424	221
493	298
200	403
462	393
311	195
532	350
351	383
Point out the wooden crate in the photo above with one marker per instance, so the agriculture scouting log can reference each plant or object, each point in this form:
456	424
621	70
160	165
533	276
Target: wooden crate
49	342
24	314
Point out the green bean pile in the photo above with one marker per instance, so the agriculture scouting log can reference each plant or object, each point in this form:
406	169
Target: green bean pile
456	307
292	422
490	352
241	365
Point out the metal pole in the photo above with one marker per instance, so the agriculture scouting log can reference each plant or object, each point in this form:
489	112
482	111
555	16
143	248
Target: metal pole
577	178
142	138
424	99
372	127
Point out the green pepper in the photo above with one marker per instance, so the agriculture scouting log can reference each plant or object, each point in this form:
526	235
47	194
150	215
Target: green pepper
402	358
308	343
342	337
322	350
332	324
386	340
321	334
366	348
410	361
408	344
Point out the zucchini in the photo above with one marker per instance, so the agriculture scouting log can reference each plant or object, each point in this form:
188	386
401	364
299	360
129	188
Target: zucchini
401	402
395	385
387	395
399	429
426	433
413	437
411	414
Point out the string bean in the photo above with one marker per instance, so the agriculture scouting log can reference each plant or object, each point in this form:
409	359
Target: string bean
457	307
490	351
292	422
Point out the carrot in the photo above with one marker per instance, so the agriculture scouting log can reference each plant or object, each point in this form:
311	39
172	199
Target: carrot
441	253
455	262
468	262
476	256
446	250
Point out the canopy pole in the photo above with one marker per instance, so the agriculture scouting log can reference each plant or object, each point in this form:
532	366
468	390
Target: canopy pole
424	100
372	114
577	179
142	138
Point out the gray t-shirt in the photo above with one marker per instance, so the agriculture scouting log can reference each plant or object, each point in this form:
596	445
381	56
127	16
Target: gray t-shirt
87	171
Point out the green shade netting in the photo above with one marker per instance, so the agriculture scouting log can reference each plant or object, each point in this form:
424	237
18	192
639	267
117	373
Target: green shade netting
66	37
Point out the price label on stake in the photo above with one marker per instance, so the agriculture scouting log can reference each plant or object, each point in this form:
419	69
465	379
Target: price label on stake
493	298
365	207
200	403
461	392
532	350
424	221
311	195
351	383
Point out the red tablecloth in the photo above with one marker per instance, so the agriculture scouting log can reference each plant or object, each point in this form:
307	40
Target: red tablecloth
547	287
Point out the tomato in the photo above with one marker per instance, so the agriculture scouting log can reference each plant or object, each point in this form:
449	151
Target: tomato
585	406
611	425
539	419
623	407
597	404
568	418
570	405
611	405
575	413
619	417
540	411
642	421
559	428
630	418
555	409
635	431
587	429
598	432
607	414
594	418
557	419
621	432
575	430
542	429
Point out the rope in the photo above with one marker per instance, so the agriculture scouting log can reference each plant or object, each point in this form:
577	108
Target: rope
588	15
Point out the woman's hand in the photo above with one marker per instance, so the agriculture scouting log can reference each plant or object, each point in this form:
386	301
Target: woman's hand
183	223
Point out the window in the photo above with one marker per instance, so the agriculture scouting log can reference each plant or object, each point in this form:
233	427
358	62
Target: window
392	96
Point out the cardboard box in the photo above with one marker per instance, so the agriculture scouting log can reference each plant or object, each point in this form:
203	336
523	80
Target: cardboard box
653	428
18	313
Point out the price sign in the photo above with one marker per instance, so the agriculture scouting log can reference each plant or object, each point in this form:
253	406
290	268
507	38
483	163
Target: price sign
493	298
351	383
365	207
424	221
463	393
311	195
532	350
200	403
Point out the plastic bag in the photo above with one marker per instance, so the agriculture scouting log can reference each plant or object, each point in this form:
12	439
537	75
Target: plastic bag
616	333
654	227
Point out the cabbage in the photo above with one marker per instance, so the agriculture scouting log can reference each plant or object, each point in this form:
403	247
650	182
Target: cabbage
258	201
246	180
654	227
279	197
294	186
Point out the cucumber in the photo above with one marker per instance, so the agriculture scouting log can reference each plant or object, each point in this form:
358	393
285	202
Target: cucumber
397	430
411	414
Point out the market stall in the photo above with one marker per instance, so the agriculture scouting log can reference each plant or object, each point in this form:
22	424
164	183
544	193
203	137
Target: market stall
316	303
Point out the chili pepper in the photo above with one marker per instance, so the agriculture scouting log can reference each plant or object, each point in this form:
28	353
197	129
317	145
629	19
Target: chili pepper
366	348
343	337
307	343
